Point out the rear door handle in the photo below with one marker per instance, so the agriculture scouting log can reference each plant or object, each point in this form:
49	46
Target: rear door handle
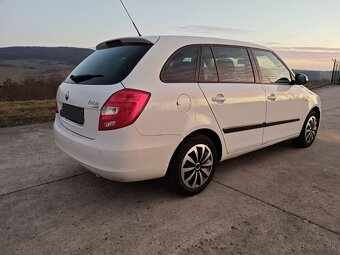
271	97
219	99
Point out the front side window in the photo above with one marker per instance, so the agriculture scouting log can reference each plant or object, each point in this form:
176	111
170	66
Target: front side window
233	64
181	67
272	70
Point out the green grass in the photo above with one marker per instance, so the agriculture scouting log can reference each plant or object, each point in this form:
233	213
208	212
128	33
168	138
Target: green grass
26	109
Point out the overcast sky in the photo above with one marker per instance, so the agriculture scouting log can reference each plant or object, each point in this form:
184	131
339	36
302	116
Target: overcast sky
304	32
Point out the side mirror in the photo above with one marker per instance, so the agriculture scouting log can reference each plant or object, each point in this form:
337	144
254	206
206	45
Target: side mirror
301	79
283	80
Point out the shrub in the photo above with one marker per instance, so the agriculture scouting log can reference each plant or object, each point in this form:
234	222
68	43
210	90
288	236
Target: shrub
31	88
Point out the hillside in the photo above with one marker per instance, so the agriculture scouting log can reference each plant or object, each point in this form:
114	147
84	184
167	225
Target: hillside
70	55
18	63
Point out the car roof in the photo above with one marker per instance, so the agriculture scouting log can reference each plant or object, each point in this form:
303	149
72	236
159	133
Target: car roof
179	40
209	40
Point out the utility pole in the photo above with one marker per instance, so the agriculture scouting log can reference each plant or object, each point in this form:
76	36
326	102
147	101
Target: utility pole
333	72
336	72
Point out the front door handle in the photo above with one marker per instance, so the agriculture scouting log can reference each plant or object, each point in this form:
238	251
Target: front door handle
271	97
219	99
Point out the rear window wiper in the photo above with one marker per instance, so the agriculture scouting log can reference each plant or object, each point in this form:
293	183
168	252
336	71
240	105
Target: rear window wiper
84	77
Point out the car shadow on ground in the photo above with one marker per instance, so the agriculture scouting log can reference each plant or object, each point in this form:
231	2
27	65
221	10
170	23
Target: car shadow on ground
160	188
255	157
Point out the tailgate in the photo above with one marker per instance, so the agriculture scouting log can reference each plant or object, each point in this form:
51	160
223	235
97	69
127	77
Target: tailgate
79	106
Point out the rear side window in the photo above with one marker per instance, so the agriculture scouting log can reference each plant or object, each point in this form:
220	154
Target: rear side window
272	69
181	67
108	66
208	71
233	64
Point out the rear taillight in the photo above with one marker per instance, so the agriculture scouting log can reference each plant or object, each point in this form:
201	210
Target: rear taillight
122	109
56	106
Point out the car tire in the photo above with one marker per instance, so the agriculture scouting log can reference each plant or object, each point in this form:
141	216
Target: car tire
193	165
308	131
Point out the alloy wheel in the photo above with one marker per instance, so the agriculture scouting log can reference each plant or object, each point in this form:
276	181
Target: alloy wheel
311	128
196	166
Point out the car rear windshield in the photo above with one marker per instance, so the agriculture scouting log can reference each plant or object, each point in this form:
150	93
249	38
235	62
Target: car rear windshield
108	66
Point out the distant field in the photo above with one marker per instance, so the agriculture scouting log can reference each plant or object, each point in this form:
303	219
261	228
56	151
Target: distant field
17	70
19	63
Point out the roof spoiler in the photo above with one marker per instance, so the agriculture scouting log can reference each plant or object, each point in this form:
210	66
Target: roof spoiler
117	42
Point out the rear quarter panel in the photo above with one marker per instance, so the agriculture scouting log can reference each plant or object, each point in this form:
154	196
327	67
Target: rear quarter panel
162	115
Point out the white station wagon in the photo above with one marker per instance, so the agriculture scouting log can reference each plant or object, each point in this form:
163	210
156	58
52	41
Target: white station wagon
147	107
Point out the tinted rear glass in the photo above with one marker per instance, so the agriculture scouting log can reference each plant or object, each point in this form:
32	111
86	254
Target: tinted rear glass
181	67
208	71
112	65
233	64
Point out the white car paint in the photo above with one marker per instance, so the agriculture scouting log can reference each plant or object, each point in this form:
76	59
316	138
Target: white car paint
144	149
246	102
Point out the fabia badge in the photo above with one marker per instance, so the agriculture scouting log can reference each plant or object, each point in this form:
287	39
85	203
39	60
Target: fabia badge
67	95
94	104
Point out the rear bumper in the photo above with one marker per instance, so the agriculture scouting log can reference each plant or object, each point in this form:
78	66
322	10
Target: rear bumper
120	155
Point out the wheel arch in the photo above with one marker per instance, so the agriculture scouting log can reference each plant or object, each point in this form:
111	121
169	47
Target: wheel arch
317	110
214	138
212	135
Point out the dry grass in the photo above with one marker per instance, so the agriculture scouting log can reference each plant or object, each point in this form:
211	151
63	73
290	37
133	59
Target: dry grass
316	84
26	109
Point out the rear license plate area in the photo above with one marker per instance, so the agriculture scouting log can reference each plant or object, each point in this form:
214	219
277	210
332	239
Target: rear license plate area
73	113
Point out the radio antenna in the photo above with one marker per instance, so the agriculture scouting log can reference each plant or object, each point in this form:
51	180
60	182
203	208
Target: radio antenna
133	23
